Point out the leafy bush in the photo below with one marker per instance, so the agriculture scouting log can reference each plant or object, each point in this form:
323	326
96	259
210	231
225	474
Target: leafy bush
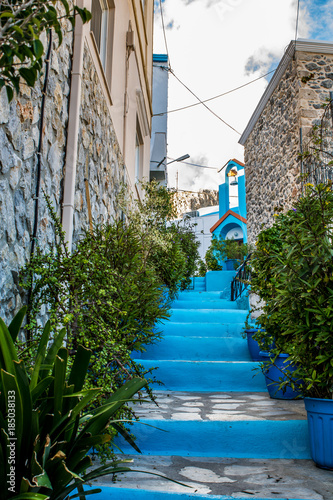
214	255
46	430
201	268
105	293
221	249
21	25
113	290
175	258
293	273
171	249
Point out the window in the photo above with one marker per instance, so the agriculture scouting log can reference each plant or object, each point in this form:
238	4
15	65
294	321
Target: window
102	28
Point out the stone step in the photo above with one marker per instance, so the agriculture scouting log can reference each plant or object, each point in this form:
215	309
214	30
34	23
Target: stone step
204	304
222	316
217	478
179	375
175	328
221	424
198	348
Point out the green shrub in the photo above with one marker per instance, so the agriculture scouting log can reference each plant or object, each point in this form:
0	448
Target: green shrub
201	268
171	249
105	293
47	423
22	24
293	273
175	257
221	249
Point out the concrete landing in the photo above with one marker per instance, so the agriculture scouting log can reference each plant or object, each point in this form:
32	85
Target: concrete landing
220	406
219	478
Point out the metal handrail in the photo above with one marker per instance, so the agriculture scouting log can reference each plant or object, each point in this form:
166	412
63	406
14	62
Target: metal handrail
242	279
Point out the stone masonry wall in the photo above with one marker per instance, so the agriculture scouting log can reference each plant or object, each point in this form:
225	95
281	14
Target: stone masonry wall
19	137
99	160
185	201
99	156
271	151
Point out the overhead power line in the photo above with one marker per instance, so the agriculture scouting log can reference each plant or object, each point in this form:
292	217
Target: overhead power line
197	165
216	96
164	34
297	19
201	102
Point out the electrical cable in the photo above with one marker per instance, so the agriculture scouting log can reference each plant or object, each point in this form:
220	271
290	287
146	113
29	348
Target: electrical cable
297	19
39	150
205	105
164	34
39	162
215	97
196	164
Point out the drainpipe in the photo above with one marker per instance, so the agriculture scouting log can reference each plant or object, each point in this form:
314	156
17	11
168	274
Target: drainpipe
73	129
129	48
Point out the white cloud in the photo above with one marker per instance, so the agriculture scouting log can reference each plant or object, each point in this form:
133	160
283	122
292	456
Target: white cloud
215	46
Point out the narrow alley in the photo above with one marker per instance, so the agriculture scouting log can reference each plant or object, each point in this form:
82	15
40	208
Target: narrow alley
215	428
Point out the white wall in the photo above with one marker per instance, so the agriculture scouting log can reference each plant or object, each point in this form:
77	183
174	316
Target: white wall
158	147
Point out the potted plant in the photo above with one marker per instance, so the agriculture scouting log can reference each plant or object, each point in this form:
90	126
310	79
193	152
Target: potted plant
293	274
251	331
228	251
49	423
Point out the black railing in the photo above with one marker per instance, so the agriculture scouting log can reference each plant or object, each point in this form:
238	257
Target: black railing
241	281
316	150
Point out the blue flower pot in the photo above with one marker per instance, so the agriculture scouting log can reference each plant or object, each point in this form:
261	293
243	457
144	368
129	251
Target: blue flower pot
320	424
230	264
253	345
274	373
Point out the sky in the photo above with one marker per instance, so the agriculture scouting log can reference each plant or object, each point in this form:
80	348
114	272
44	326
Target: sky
215	46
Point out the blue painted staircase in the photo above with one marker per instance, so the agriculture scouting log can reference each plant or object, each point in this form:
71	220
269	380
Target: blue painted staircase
203	355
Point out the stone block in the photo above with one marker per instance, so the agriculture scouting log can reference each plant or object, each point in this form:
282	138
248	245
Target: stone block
54	158
28	146
4	107
327	84
7	211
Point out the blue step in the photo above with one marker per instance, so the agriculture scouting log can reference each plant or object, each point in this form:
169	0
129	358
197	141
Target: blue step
201	329
204	304
268	439
199	283
203	376
197	295
219	280
198	348
222	316
120	493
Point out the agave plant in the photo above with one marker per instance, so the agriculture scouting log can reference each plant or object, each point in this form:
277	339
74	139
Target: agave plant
47	424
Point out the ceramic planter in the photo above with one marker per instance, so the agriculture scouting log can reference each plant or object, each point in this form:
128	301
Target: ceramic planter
229	264
253	345
320	423
275	372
